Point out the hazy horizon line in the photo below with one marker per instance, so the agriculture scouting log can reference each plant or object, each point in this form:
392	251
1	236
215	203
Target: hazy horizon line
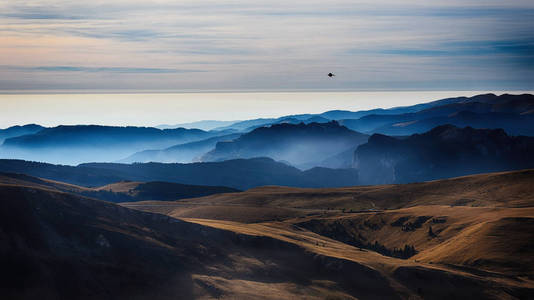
151	109
231	91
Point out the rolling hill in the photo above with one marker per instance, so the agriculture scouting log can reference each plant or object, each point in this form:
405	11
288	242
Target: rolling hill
497	190
123	191
60	245
479	224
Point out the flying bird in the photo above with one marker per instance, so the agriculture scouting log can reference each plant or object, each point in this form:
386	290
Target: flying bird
331	75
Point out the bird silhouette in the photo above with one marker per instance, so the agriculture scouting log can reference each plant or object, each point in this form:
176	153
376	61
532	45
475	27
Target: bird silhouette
331	75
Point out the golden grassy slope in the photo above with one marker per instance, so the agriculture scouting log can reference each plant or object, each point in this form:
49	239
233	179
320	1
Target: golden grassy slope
481	224
505	189
481	246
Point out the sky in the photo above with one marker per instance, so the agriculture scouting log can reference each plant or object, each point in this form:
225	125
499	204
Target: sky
380	45
152	109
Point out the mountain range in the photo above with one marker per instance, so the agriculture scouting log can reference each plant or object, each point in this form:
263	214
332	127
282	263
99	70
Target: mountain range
513	113
446	151
280	138
83	143
388	121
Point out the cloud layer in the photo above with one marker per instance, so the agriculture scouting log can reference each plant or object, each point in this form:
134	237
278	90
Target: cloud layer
266	45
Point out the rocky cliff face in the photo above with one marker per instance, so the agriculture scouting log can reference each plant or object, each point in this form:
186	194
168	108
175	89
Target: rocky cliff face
445	151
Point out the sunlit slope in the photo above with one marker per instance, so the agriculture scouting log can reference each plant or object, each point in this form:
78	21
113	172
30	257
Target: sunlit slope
505	189
480	224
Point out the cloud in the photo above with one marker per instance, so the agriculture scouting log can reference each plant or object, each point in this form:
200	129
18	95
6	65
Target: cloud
266	43
97	69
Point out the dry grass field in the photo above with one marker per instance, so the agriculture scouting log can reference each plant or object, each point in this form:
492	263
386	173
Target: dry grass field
462	238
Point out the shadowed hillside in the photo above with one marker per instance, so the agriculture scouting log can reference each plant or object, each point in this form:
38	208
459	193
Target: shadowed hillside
124	191
112	252
445	151
240	173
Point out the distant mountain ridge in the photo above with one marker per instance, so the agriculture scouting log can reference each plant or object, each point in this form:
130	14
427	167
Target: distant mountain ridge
15	131
202	125
422	116
298	144
92	143
513	113
82	143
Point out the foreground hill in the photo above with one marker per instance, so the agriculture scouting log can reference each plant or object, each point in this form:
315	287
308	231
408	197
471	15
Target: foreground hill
110	252
445	151
58	245
299	144
82	143
239	174
120	191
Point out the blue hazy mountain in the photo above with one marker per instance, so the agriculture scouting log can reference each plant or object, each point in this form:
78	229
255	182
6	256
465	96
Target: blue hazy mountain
203	125
388	121
240	173
84	143
513	113
15	131
445	151
345	114
302	145
244	125
87	143
183	153
249	125
515	124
